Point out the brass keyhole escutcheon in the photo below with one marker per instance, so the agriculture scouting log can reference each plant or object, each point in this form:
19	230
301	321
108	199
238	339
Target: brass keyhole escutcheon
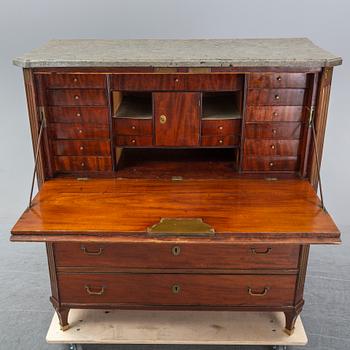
162	119
176	288
176	250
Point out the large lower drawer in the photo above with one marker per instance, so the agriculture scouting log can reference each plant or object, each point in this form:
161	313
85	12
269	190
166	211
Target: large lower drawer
186	255
177	289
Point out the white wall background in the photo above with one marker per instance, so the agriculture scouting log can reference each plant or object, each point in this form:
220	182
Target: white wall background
25	25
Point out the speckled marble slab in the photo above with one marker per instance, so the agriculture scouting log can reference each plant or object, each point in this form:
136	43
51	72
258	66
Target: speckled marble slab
291	52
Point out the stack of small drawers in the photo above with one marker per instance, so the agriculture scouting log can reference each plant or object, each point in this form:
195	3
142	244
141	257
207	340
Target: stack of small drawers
78	117
273	121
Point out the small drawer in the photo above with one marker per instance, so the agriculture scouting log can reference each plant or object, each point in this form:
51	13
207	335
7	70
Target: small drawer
77	163
83	147
177	82
273	131
93	115
270	164
134	141
125	126
58	80
79	131
277	80
221	127
282	97
77	97
274	113
220	141
177	255
289	148
176	289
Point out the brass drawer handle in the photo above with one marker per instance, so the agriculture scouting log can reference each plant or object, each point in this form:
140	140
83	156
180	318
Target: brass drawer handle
176	289
265	252
162	119
76	97
92	252
75	80
258	294
78	114
277	97
91	292
176	250
279	78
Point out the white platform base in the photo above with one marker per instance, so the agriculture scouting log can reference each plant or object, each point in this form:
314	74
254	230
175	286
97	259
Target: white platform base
175	327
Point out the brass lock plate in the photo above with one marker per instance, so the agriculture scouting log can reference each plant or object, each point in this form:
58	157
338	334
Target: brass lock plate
181	227
162	119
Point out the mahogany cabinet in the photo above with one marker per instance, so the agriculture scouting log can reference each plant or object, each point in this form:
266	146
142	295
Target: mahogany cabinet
178	183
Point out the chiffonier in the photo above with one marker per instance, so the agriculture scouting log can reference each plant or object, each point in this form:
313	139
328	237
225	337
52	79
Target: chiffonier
178	174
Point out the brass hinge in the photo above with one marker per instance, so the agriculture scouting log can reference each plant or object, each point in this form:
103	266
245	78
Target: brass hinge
311	115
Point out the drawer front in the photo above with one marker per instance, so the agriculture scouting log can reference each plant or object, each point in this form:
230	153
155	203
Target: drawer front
282	97
220	141
271	147
132	141
277	80
84	147
124	126
177	289
273	131
78	163
57	80
221	127
77	97
177	82
93	115
185	255
274	113
270	164
79	131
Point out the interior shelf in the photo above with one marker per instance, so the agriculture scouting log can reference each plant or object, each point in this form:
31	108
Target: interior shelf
132	105
221	105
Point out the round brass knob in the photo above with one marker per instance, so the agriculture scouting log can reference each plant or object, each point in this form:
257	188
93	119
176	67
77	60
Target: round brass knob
133	141
221	142
279	78
176	250
275	114
176	80
82	164
273	146
271	164
81	148
133	127
162	119
176	289
221	128
274	131
76	97
80	131
277	97
75	80
78	114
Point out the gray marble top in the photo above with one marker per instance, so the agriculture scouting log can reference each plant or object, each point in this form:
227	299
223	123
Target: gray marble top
291	52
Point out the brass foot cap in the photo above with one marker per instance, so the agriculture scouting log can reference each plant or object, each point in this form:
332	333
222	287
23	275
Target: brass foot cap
289	331
64	328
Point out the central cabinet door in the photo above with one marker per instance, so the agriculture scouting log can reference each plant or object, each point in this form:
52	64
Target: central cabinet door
177	118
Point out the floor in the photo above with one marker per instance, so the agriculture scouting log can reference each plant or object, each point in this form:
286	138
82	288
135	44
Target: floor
26	311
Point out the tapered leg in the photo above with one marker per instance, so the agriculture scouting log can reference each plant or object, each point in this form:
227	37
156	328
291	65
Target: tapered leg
291	317
62	314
